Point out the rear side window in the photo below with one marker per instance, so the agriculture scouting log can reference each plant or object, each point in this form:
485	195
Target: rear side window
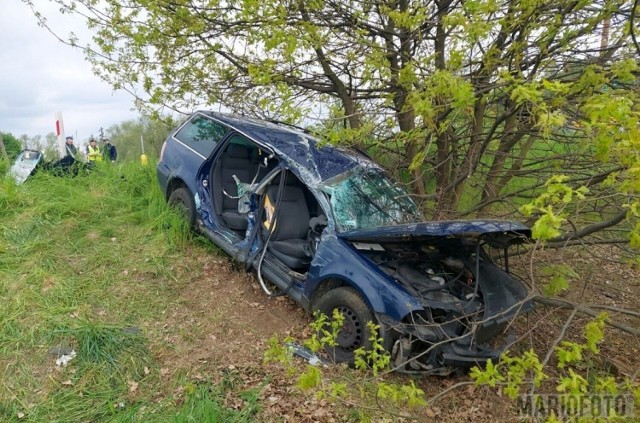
201	134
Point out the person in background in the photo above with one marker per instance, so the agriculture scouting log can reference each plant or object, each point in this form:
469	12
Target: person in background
93	151
70	147
110	152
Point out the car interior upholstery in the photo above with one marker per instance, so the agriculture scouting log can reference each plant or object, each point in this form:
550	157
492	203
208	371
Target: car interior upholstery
235	160
289	240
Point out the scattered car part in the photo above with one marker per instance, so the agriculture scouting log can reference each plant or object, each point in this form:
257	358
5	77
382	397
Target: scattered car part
305	353
63	360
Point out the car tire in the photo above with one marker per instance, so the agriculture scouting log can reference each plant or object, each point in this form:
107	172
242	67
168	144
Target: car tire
355	332
182	199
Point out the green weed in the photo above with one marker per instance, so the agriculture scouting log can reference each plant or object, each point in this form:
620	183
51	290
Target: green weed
89	263
205	404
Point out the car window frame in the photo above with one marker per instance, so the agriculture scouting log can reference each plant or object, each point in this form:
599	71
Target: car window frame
190	144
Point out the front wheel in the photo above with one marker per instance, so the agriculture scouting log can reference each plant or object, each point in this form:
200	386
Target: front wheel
355	332
182	200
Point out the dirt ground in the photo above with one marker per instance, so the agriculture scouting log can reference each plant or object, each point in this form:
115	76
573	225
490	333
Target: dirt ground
224	316
224	321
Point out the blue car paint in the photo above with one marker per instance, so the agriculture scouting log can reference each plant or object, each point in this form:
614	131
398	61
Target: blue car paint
300	151
383	295
336	259
179	165
304	155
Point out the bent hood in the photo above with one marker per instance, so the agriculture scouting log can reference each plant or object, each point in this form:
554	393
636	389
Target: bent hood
498	233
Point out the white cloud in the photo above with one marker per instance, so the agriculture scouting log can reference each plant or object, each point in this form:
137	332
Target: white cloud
40	75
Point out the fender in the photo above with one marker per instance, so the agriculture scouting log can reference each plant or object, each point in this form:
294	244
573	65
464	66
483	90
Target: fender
384	295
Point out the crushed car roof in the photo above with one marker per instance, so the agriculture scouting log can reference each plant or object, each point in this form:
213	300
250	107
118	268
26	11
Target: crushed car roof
319	161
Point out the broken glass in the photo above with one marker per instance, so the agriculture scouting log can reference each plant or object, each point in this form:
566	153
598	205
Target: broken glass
366	198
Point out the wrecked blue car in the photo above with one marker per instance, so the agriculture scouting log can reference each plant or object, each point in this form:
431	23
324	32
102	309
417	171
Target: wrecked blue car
327	227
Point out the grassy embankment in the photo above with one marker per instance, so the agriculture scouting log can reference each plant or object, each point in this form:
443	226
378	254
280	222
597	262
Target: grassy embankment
86	263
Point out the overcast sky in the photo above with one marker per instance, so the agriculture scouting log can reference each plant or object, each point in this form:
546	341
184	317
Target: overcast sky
39	75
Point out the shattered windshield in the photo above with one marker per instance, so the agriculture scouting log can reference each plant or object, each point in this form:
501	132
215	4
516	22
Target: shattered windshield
366	198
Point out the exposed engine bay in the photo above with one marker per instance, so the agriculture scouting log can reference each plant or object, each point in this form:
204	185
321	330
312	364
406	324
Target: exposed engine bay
467	298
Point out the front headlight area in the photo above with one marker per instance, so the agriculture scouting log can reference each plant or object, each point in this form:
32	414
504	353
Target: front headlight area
438	342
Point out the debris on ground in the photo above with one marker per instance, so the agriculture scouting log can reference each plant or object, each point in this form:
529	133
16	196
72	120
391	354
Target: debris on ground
60	350
63	360
300	351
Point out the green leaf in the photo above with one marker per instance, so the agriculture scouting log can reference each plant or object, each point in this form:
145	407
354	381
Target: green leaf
556	285
528	93
489	376
310	379
418	160
594	332
338	389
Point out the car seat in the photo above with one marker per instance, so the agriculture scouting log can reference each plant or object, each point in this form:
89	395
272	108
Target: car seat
236	161
288	242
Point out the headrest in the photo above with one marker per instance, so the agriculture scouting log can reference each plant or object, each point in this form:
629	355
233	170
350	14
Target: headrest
255	154
237	151
292	180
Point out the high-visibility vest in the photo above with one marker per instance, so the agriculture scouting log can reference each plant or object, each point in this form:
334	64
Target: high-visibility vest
94	154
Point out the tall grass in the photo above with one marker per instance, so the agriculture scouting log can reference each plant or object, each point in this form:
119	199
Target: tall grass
85	262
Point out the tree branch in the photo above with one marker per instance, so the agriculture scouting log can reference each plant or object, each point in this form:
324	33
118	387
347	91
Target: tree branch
568	305
592	228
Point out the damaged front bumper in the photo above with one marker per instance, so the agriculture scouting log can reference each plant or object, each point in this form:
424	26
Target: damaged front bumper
437	349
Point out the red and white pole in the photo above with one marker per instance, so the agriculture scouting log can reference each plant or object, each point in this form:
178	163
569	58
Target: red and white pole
60	133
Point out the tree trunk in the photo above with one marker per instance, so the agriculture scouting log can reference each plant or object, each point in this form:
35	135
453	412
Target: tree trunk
508	140
443	155
495	182
398	59
3	150
406	121
475	152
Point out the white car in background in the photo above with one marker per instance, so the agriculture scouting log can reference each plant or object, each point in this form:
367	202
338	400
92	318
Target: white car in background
25	165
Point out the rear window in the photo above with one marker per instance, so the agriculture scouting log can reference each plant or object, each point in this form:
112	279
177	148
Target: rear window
201	134
30	156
